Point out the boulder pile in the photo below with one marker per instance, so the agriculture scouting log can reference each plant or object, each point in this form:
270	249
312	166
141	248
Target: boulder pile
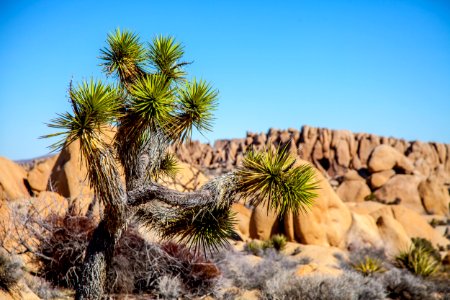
374	191
359	166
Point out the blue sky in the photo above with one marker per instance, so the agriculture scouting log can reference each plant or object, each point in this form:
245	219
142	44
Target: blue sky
374	66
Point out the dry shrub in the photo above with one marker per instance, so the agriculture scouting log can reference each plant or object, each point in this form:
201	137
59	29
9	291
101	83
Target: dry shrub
400	284
198	273
350	285
61	252
10	271
137	265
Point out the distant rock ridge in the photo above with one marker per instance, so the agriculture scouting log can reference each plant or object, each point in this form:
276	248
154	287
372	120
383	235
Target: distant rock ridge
334	152
359	166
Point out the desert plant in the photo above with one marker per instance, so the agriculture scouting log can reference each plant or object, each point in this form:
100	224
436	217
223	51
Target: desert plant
254	247
42	288
153	106
197	273
278	242
239	271
349	285
427	246
169	287
10	271
400	284
418	260
370	197
368	266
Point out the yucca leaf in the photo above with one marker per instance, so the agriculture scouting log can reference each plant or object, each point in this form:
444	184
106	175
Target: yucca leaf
167	167
202	229
95	107
196	102
151	101
124	56
164	56
270	177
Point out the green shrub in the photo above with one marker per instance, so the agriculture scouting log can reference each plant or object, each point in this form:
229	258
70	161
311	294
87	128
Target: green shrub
428	246
368	266
370	197
418	260
278	242
254	247
10	271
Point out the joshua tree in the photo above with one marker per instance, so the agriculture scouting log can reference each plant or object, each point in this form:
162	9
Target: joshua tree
153	106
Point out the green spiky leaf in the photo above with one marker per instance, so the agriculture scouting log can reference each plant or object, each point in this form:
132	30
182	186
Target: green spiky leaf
270	177
151	101
168	167
165	56
196	102
124	56
202	229
95	107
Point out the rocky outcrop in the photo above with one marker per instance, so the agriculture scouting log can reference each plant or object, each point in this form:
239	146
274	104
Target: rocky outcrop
325	224
389	169
13	180
68	176
40	172
406	180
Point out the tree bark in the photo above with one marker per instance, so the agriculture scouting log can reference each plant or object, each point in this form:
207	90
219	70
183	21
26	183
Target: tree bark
99	254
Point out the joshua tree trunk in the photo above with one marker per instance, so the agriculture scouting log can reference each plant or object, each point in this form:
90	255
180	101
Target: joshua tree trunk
100	252
98	258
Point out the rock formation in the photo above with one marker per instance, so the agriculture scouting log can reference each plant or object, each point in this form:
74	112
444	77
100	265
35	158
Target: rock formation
363	166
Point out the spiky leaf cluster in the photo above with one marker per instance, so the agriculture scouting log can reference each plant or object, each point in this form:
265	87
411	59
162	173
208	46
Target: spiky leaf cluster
95	106
167	168
165	56
270	177
124	56
418	260
196	101
368	266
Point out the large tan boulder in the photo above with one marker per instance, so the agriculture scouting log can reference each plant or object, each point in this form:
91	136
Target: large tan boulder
69	174
12	180
39	175
395	238
366	207
384	157
378	179
353	191
363	233
412	224
435	196
367	142
327	222
263	223
425	156
401	189
242	215
416	226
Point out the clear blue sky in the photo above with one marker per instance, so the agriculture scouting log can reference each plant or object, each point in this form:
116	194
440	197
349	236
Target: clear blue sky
373	66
